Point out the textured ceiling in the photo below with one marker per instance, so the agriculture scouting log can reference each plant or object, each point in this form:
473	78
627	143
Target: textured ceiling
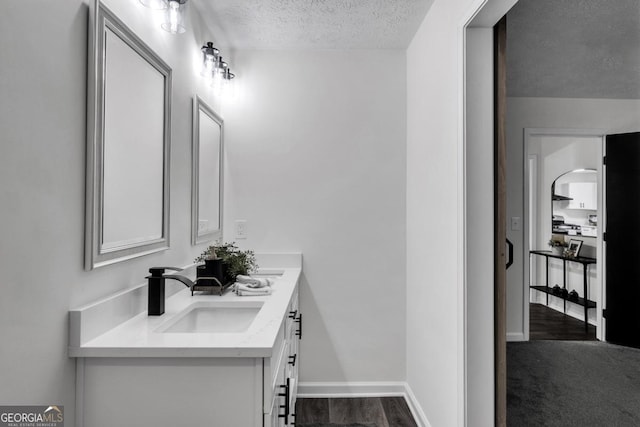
313	24
574	49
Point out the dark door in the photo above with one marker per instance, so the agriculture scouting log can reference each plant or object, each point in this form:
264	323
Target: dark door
622	171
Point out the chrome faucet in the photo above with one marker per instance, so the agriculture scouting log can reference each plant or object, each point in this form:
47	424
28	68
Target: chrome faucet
156	288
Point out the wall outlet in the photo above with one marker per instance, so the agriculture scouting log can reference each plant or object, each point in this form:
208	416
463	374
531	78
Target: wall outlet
241	229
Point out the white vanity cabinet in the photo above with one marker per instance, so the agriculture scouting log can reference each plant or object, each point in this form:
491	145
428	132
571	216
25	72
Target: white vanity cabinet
280	393
194	391
131	373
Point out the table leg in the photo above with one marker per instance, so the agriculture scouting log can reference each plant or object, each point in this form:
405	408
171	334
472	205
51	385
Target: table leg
547	278
586	298
564	284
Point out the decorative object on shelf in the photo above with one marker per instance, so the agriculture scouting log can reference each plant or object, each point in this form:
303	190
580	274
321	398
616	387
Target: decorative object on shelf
564	293
234	261
574	296
557	290
574	248
558	245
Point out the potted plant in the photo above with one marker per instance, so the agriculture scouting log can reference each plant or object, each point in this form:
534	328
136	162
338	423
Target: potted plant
558	246
231	259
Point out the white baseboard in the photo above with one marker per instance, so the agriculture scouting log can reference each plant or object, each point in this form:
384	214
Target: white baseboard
515	336
351	389
416	409
365	389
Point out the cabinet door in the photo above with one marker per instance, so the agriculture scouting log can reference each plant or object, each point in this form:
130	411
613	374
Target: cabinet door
292	376
584	195
273	419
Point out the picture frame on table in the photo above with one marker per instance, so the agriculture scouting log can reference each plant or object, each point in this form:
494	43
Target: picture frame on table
574	248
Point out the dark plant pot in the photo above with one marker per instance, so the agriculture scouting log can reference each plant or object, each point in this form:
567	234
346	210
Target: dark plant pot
211	268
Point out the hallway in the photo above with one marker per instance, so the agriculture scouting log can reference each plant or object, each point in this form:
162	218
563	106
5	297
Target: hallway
548	324
572	383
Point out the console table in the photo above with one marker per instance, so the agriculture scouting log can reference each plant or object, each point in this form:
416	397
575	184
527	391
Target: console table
586	262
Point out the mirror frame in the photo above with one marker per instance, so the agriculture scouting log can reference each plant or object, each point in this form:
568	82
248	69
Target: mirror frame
101	20
196	237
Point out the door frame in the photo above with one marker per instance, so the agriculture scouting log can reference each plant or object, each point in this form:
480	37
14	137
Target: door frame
480	14
529	228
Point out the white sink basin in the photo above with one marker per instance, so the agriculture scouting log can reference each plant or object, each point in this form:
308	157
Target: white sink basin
213	317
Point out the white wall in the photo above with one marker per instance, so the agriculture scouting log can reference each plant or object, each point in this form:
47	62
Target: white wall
315	152
42	182
611	116
434	209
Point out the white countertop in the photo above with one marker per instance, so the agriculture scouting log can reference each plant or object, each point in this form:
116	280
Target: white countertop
139	337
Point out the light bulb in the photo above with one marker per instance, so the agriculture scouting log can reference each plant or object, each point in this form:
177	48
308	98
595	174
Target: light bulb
209	60
174	17
221	67
208	67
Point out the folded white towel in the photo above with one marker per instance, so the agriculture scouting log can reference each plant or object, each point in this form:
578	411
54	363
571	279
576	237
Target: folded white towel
254	282
247	288
243	290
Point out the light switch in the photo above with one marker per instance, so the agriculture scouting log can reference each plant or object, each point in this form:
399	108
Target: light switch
515	223
241	229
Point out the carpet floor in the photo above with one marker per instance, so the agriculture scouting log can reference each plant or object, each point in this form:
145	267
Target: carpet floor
572	383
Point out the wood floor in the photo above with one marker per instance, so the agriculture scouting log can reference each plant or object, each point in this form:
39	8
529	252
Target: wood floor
548	324
369	412
545	324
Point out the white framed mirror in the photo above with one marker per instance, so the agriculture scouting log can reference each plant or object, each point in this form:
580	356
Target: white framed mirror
128	144
207	174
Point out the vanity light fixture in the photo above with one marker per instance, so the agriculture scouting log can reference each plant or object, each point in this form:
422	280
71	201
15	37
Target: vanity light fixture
174	16
210	57
216	70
